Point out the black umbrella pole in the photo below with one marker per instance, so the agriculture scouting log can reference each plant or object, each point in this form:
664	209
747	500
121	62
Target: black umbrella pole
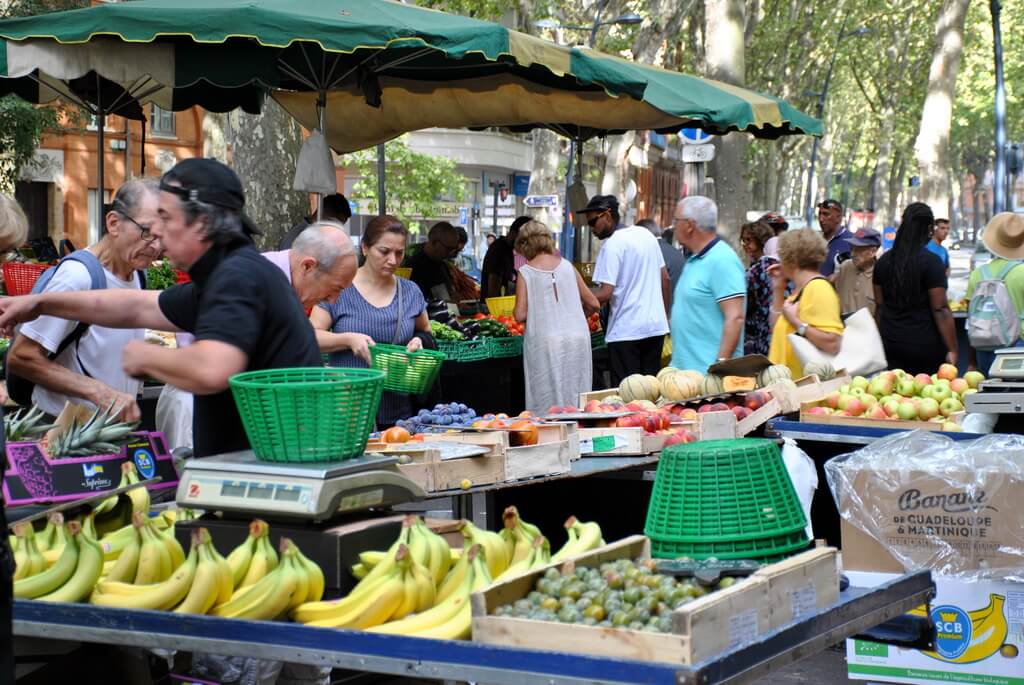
101	123
381	185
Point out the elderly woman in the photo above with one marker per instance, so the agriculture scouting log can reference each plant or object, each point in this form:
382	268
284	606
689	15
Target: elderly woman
551	298
13	230
379	307
812	311
757	330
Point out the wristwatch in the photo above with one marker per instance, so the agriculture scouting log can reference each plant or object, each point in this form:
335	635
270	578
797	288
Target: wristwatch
801	329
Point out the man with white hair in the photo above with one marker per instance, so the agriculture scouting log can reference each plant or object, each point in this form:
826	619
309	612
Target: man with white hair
320	264
633	281
709	303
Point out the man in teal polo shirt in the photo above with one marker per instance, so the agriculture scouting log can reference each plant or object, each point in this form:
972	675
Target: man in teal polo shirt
710	300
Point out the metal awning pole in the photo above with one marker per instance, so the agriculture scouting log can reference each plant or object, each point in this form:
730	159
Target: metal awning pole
570	239
321	104
381	199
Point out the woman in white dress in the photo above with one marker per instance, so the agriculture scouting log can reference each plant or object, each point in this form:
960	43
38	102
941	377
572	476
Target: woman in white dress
550	299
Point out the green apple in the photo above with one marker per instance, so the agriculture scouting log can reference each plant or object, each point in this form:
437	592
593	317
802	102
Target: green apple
905	386
906	410
859	382
880	386
927	390
950	406
952	427
941	392
974	378
900	373
891	407
844	389
928	408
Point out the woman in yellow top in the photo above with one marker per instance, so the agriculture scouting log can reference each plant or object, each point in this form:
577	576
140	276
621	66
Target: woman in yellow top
812	311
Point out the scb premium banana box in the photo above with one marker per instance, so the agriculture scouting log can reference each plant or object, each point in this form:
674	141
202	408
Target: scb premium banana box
980	635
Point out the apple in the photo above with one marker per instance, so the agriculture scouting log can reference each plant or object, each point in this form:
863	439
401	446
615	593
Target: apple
906	410
928	408
841	413
832	400
891	407
705	408
755	399
868	400
859	382
555	410
592	407
634	406
731	403
920	381
632	421
876	412
718	406
941	392
899	373
940	381
905	387
855	407
952	427
950	406
819	410
741	412
927	390
974	378
844	389
968	391
844	400
688	413
958	385
880	386
947	371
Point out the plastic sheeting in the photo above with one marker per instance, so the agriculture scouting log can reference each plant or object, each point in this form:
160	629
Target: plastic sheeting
955	507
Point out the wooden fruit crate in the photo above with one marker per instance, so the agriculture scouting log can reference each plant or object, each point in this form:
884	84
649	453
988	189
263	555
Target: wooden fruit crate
703	628
433	474
550	456
891	424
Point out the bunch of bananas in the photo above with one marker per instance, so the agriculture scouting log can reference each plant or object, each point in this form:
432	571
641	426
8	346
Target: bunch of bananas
538	557
496	552
72	576
254	558
28	559
583	537
292	582
519	536
149	555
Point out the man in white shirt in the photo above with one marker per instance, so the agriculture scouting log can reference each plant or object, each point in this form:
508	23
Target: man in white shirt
89	371
633	281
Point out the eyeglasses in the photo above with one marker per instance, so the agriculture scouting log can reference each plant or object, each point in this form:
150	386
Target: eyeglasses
592	219
147	235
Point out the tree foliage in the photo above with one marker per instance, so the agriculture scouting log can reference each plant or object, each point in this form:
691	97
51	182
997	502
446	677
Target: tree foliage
416	183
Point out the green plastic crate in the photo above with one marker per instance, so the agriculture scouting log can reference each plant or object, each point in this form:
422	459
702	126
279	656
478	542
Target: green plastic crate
309	414
499	348
464	350
721	497
765	550
412	373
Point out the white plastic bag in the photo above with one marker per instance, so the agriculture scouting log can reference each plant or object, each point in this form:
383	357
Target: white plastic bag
174	416
803	475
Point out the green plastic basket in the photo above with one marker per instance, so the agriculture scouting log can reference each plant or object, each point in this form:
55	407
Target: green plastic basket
412	373
499	348
308	414
724	498
464	350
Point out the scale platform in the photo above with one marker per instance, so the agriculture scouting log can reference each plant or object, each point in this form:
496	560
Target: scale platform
238	482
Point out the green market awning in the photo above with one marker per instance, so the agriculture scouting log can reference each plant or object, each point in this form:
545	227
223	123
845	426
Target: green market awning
383	67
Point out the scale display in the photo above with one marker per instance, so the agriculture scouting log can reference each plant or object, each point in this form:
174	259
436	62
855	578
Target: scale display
1008	365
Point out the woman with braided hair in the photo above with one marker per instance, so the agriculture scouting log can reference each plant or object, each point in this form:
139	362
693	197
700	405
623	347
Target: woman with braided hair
914	319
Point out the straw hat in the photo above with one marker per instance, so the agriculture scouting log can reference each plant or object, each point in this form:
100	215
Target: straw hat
1004	235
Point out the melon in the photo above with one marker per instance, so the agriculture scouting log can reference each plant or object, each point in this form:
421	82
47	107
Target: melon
647	405
775	372
612	399
653	386
738	383
712	385
667	371
695	375
639	387
823	370
680	386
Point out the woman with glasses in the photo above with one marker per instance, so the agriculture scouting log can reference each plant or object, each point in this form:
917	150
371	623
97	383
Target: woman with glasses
913	313
82	364
757	329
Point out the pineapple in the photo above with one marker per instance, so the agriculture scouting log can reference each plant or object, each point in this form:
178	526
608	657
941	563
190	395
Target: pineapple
24	425
99	434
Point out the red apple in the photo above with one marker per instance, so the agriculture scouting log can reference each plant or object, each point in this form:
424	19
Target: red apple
947	371
876	412
832	400
592	407
854	406
819	410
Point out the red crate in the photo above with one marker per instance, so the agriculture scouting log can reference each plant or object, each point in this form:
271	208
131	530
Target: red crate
19	277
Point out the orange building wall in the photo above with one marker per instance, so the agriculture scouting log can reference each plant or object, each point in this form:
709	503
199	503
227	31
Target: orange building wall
80	163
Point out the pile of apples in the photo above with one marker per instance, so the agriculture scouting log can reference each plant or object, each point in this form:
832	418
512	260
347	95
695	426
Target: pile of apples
897	395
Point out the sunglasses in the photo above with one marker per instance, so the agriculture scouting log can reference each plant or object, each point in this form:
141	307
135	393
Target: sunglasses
592	219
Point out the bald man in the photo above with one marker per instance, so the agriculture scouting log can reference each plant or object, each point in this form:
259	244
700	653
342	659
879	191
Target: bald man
320	264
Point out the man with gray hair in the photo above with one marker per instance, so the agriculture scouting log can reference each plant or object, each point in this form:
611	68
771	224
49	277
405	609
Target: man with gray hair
709	302
320	264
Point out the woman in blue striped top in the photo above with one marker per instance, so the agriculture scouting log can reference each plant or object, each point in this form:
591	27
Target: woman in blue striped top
379	307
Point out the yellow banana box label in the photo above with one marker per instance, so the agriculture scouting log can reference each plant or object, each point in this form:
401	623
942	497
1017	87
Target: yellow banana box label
979	636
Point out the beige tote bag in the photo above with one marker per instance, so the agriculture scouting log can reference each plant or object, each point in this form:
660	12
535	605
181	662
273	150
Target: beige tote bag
860	351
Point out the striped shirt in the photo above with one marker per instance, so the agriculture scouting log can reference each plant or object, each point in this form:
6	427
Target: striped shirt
351	313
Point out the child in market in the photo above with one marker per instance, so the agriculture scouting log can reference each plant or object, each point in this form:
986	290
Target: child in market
853	278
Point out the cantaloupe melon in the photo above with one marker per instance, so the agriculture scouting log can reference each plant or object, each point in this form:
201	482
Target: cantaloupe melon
653	386
695	375
775	372
612	399
712	385
647	405
679	386
667	371
823	370
633	388
738	383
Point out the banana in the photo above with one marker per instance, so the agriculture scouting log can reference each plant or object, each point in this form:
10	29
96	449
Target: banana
89	526
495	551
241	556
517	536
126	565
206	583
109	503
154	560
373	610
20	558
371	558
53	577
140	495
34	562
389	594
226	579
358	571
410	594
174	550
540	555
583	537
268	598
302	579
114	543
426	592
87	571
989	630
431	560
441	552
163	595
316	576
447	609
460	625
419	546
455	577
264	561
44	538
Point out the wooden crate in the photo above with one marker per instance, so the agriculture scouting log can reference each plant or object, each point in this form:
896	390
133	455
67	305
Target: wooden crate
617	442
550	456
433	474
702	628
891	424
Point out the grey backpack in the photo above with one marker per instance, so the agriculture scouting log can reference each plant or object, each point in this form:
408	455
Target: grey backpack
993	321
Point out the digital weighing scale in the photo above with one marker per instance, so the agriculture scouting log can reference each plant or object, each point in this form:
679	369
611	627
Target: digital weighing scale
1004	392
239	483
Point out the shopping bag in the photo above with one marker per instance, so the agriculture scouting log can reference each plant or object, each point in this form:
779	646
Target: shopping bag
860	352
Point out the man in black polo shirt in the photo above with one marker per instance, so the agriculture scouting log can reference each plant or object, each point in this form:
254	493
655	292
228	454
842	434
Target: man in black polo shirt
239	306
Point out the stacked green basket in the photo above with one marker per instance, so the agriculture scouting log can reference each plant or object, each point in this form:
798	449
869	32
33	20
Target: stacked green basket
729	499
464	350
308	414
412	373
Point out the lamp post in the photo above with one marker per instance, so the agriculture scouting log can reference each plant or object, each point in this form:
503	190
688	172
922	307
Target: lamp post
999	185
572	242
820	113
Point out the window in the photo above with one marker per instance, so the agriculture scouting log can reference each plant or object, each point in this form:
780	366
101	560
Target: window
94	226
161	121
92	123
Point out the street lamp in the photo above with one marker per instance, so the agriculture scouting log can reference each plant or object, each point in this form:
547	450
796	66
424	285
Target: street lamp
822	96
573	249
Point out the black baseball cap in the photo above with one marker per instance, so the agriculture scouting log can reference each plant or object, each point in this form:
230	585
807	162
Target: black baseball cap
200	179
831	204
865	237
600	203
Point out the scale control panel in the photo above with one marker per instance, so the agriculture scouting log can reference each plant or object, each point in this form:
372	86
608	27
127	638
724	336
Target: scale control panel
252	494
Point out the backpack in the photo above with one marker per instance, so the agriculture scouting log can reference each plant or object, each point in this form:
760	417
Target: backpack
19	388
993	321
